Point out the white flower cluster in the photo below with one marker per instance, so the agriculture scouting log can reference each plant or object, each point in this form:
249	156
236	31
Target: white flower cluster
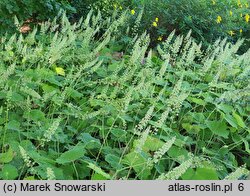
145	120
92	114
163	117
51	131
7	73
50	174
239	172
159	153
202	162
235	95
176	45
176	99
176	106
176	173
139	49
30	92
164	66
207	64
26	158
142	140
166	46
149	62
127	100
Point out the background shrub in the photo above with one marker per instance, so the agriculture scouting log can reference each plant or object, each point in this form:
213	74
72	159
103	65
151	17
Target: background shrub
198	15
29	9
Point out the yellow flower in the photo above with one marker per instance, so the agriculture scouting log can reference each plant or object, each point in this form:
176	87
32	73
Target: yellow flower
154	24
156	19
213	2
247	17
115	6
159	38
231	33
239	4
219	19
120	7
60	71
241	31
231	13
133	12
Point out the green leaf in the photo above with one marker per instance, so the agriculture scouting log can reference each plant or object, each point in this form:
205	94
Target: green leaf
35	115
231	120
17	97
48	88
71	155
206	173
246	143
239	120
191	128
98	170
138	161
119	133
198	117
178	153
89	141
151	144
225	108
9	172
13	125
29	178
113	66
218	127
7	157
68	171
188	175
236	137
96	176
52	80
113	161
197	101
74	93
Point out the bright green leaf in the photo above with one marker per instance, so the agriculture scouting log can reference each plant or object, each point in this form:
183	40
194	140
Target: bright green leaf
151	144
197	101
71	155
7	157
138	161
99	170
239	120
9	172
231	120
218	128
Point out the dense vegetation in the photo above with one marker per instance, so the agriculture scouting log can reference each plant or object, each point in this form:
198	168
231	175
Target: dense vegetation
100	98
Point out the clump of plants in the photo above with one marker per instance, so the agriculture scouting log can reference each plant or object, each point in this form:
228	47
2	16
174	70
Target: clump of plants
73	107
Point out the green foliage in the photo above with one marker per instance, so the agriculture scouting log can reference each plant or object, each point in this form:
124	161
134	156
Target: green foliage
29	9
74	104
107	7
82	7
198	15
